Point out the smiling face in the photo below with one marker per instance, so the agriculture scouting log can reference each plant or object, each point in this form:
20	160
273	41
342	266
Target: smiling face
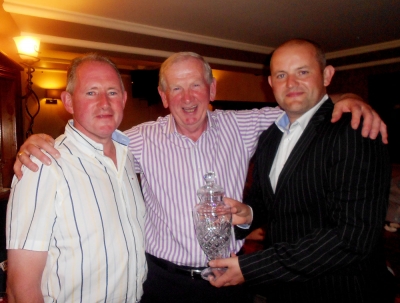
97	102
187	95
296	78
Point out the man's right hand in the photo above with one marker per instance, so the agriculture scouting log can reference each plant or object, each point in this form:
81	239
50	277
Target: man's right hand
33	146
241	213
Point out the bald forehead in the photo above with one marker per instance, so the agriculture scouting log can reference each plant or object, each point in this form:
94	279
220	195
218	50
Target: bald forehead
302	46
292	46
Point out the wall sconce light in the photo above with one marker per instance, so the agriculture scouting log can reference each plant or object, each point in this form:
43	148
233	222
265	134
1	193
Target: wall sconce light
52	95
28	50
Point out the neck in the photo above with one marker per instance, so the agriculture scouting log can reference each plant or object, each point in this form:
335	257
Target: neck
110	151
194	132
292	119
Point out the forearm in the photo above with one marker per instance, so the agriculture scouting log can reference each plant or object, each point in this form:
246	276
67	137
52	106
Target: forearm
338	97
319	252
25	269
253	198
30	295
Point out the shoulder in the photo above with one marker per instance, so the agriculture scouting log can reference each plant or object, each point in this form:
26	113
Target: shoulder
342	125
148	126
269	137
273	112
251	122
66	145
322	119
341	135
273	130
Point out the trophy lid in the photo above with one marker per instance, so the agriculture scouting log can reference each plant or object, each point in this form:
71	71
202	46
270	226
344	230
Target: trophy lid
210	189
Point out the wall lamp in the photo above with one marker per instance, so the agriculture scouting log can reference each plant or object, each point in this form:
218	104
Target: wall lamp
28	50
52	95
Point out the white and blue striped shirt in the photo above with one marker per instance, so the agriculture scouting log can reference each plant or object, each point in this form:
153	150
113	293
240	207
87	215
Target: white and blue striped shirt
172	168
89	216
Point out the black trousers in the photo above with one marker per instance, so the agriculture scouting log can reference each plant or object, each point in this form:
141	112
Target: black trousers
166	286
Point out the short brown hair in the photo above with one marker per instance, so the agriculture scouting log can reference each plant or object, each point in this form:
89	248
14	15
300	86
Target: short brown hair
90	57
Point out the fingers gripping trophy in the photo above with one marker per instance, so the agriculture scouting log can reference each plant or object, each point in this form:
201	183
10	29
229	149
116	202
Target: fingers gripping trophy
213	223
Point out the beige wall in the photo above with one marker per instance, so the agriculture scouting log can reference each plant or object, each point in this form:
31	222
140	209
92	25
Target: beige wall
8	30
235	86
51	119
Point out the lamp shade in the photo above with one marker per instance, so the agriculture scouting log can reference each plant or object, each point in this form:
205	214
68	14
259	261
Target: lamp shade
28	47
54	93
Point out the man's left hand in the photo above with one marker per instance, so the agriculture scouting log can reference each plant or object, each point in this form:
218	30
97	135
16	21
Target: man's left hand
372	123
233	274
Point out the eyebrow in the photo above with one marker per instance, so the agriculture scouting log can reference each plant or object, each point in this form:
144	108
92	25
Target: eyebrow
108	88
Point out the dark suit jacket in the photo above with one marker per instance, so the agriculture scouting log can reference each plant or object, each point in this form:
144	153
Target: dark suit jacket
324	221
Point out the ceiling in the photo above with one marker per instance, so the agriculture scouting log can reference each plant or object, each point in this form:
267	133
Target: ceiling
231	34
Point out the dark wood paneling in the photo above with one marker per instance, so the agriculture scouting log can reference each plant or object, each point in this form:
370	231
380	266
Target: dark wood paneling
10	117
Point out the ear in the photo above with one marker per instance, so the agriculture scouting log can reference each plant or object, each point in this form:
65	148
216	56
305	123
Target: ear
125	97
329	71
163	96
270	81
213	89
66	99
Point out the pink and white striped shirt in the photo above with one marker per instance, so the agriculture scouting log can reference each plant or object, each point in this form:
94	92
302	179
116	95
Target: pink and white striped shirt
172	168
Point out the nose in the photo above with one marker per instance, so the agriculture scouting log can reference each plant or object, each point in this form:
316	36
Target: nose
291	81
104	101
187	96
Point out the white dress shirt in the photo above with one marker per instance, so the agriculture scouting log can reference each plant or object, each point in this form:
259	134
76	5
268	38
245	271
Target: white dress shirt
291	134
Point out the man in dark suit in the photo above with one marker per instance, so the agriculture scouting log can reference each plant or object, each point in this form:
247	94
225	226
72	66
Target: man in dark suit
320	188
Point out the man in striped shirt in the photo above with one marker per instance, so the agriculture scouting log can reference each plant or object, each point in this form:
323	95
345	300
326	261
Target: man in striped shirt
75	228
172	154
321	190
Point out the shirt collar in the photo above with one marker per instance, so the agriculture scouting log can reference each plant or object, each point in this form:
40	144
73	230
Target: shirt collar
117	136
170	127
283	122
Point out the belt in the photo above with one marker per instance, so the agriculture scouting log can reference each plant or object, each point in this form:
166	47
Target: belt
193	272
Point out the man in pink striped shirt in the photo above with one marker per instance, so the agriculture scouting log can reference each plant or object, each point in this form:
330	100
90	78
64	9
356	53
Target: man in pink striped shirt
172	154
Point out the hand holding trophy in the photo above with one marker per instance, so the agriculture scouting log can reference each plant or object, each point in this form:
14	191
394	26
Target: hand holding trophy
213	223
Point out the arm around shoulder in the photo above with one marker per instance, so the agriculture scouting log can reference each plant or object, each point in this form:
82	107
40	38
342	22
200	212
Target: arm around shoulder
372	123
33	146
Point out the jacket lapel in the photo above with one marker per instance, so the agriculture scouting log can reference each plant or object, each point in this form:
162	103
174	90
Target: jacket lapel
270	144
302	145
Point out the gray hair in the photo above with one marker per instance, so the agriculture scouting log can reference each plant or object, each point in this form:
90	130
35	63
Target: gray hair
90	57
182	56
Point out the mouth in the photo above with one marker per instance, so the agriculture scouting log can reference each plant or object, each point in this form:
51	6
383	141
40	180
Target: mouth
294	94
190	109
104	116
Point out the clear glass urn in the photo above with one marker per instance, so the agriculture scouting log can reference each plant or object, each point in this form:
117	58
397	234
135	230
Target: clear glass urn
213	223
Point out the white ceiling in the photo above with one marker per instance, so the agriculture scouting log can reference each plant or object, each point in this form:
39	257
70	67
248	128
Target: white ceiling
227	32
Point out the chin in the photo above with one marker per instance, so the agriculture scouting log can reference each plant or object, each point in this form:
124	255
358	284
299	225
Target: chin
107	129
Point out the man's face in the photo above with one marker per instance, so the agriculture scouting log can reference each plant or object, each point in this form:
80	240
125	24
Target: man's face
187	94
97	102
297	80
